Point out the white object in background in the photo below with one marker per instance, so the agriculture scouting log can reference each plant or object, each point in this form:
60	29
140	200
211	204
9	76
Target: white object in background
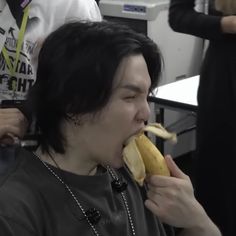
179	95
182	53
183	91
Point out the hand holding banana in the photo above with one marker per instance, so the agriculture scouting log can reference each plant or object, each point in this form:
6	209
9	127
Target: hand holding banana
170	198
142	156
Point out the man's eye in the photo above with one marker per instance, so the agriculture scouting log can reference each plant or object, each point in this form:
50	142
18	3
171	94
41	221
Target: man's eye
130	97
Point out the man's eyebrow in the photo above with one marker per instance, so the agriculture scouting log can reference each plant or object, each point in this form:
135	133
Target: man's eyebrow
132	87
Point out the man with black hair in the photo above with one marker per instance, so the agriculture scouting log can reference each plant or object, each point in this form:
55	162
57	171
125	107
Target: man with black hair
90	97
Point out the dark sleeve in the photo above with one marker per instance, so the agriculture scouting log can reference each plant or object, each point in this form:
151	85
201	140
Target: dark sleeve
9	227
184	19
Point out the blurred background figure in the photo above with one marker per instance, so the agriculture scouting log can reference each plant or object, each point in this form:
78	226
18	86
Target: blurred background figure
23	26
215	174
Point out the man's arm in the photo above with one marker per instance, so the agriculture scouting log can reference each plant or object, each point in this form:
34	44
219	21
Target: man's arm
207	228
204	227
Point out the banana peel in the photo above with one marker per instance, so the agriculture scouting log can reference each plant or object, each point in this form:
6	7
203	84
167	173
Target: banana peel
142	157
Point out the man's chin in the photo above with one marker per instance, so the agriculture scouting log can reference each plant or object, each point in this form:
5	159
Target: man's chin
118	163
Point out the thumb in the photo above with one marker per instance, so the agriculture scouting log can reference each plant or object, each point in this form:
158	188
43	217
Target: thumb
174	169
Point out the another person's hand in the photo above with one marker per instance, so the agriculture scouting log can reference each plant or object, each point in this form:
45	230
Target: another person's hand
228	24
13	124
172	198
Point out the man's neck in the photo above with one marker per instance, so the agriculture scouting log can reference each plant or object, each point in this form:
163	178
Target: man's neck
68	162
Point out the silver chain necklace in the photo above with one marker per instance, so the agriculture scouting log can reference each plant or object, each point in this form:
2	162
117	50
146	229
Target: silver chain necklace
81	207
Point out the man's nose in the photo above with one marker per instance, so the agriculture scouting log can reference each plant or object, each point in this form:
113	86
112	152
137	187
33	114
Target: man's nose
144	112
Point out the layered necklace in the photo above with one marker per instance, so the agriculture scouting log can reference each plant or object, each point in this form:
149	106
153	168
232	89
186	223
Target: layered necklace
92	216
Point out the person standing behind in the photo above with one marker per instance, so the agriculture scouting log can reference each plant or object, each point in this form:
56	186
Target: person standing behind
23	26
215	175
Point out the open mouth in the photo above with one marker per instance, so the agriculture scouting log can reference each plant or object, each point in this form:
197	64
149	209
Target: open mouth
131	137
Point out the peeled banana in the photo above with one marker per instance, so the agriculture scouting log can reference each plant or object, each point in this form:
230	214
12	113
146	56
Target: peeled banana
142	156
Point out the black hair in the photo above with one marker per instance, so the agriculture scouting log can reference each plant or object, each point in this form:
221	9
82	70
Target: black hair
76	68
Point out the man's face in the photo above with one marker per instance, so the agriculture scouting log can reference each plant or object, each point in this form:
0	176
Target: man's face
123	116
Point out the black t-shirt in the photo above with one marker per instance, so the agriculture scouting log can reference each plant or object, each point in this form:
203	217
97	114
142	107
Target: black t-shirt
33	202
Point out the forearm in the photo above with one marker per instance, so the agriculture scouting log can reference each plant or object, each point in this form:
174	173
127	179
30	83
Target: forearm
185	19
207	228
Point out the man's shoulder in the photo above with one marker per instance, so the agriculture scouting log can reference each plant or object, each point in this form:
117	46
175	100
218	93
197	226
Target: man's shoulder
19	193
14	177
17	182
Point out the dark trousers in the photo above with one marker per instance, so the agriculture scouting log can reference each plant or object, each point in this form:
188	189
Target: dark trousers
215	161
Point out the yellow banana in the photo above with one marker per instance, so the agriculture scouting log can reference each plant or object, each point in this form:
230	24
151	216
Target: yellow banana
142	156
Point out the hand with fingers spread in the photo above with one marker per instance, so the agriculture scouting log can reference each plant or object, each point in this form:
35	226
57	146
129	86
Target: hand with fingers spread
172	200
13	124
